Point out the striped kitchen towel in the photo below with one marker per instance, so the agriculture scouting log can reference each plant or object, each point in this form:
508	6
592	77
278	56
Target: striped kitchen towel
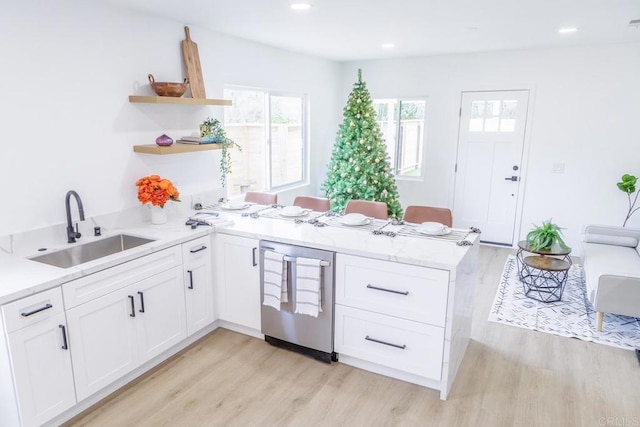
308	291
275	280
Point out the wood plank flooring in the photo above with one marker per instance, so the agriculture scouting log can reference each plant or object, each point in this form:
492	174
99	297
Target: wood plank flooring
509	377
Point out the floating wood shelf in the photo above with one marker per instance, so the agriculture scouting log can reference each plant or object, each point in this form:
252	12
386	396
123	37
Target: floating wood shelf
175	148
174	100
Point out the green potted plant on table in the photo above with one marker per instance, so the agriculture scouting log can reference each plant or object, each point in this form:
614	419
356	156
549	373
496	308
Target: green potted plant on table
211	130
546	237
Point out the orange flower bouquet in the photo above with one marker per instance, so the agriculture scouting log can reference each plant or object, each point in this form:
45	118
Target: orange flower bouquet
157	191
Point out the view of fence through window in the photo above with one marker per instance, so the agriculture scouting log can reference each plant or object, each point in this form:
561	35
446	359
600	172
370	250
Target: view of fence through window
270	129
402	126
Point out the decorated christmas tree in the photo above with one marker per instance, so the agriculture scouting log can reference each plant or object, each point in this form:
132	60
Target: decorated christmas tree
359	167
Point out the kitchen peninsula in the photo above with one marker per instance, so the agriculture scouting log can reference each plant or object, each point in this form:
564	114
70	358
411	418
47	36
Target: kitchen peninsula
432	314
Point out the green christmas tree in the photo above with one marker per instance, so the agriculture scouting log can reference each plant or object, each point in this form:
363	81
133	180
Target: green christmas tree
359	167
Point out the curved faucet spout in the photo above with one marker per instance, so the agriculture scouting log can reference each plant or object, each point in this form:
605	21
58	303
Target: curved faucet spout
72	234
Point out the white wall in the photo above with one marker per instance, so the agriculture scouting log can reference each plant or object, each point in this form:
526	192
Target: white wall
67	70
586	114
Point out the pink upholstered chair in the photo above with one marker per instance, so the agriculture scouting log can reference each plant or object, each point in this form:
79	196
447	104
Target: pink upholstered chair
369	208
319	204
261	198
420	214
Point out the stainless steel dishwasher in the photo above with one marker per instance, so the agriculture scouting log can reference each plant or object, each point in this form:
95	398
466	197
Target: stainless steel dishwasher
299	332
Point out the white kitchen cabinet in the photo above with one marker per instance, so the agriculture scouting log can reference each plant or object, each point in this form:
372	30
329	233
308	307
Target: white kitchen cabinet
197	256
114	334
238	278
40	360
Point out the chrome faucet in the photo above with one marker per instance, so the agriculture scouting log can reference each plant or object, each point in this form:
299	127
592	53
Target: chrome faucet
73	234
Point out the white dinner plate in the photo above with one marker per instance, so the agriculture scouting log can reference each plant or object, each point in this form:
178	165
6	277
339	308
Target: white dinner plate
235	207
294	214
349	223
442	232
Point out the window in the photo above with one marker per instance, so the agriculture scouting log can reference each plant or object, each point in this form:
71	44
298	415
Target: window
493	116
402	124
271	129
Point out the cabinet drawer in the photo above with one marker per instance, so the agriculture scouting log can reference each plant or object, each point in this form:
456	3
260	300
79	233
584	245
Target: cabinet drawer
96	285
401	290
32	309
196	250
400	344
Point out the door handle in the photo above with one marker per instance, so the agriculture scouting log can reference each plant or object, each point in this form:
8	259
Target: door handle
65	345
190	279
511	178
141	302
254	261
133	306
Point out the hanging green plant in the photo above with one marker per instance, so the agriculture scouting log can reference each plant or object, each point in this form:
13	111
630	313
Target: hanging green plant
212	128
545	237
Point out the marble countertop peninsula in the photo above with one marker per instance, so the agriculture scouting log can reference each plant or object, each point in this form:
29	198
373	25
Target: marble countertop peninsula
21	277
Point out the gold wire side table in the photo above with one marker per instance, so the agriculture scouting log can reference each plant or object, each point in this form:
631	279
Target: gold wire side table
544	274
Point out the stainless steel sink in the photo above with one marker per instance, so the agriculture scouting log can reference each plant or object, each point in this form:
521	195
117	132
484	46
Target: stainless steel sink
80	254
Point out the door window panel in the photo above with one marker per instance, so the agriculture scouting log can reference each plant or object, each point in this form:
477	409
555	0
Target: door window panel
493	116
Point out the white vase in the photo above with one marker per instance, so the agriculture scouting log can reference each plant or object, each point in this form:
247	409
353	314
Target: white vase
158	215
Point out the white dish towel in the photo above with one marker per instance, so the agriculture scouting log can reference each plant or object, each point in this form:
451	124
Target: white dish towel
308	292
275	280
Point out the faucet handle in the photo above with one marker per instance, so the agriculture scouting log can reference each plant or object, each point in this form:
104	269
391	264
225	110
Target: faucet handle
78	234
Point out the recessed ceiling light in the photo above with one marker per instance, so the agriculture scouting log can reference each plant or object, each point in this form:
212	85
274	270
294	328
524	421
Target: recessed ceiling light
567	30
388	45
300	6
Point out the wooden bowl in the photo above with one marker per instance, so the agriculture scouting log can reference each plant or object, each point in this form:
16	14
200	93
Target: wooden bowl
175	90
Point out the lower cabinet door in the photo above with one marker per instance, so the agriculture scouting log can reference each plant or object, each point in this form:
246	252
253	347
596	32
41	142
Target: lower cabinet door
42	370
197	256
102	336
160	313
397	343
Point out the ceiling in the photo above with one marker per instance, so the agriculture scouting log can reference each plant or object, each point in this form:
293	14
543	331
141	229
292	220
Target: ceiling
345	30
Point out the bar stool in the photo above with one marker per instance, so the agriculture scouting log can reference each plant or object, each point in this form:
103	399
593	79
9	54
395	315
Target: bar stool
367	207
318	204
261	198
419	214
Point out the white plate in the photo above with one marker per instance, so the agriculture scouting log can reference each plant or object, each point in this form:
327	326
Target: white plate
442	232
292	213
235	207
355	219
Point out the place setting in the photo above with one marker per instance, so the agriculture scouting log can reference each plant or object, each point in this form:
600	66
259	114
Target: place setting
433	230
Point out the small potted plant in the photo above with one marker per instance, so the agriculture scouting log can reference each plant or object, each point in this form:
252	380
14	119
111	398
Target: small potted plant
211	130
545	237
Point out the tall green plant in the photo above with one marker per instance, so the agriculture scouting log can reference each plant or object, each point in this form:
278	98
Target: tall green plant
628	186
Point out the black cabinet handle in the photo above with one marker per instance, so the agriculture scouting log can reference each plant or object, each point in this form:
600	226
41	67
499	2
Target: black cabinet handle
37	310
190	279
393	291
141	302
193	251
255	262
402	347
133	306
65	345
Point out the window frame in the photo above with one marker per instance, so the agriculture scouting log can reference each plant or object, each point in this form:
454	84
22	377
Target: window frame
268	158
398	133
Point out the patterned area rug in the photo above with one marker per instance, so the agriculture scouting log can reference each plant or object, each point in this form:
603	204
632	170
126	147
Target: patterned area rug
574	316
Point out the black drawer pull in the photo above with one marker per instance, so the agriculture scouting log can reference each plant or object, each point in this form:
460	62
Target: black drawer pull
190	279
37	310
141	302
388	290
255	262
401	347
65	346
133	306
193	251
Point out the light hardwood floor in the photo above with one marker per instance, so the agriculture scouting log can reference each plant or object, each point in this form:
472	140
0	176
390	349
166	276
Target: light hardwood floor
509	377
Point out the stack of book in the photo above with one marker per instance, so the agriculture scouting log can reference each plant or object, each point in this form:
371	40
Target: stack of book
197	140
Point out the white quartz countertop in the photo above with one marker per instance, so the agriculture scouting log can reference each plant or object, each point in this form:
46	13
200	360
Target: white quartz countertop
21	277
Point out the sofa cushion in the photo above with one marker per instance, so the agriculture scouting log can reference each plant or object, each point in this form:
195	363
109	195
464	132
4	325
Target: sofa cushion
604	239
608	262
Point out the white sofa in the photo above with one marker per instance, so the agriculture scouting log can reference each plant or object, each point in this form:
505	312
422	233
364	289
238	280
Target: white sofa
611	260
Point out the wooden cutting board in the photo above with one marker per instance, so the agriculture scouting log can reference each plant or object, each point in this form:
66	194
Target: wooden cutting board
192	62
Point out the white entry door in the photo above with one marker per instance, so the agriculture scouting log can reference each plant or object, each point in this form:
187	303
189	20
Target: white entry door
490	141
